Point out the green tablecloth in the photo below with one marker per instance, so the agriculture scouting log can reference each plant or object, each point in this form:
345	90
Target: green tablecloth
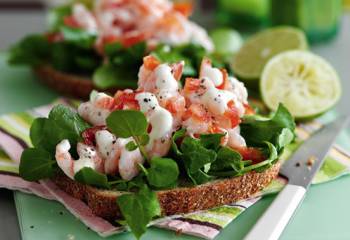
323	214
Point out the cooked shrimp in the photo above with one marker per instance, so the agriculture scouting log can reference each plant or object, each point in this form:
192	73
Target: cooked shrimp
97	109
129	160
160	120
235	140
84	18
107	146
88	157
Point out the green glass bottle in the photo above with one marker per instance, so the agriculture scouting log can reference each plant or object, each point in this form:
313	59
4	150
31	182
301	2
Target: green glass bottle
318	18
246	15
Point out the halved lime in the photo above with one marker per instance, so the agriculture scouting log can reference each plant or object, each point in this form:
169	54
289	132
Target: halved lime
226	40
304	82
258	49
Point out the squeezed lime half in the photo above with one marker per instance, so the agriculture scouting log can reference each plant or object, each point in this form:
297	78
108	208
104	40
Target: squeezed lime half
261	47
304	82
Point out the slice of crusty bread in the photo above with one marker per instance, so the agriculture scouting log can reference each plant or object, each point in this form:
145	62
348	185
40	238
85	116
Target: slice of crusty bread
177	200
65	83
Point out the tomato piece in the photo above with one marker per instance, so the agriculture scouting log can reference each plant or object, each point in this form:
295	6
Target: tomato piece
177	69
225	83
198	112
107	39
125	99
106	103
251	153
248	110
133	38
191	85
70	22
88	135
150	62
54	37
232	114
185	8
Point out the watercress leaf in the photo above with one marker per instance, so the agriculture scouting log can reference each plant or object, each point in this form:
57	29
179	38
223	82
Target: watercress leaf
144	139
112	49
211	141
177	135
37	134
107	76
163	172
285	138
31	50
36	164
89	176
200	177
78	36
195	156
131	146
139	209
256	131
63	56
227	158
127	123
68	120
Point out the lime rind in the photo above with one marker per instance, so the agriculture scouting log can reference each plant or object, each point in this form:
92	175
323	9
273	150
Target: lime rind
304	82
258	49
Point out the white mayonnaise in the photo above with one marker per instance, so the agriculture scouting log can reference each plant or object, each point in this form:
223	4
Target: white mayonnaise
235	140
160	119
212	73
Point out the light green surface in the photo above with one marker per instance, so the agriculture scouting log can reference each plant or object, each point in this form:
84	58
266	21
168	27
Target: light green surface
323	215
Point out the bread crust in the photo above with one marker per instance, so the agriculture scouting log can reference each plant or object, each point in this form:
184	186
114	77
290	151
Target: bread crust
66	83
178	200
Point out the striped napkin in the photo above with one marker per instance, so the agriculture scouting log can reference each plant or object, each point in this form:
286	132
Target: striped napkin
14	137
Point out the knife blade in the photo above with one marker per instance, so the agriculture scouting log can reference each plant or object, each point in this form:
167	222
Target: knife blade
300	170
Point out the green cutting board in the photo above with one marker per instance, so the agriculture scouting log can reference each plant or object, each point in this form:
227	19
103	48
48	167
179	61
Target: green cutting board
323	215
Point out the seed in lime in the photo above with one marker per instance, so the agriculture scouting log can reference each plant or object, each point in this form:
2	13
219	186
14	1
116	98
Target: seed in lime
258	49
226	41
304	82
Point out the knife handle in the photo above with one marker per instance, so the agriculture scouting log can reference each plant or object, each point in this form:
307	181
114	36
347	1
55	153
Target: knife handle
274	220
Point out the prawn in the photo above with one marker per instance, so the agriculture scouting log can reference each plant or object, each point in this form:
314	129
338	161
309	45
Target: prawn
88	157
97	109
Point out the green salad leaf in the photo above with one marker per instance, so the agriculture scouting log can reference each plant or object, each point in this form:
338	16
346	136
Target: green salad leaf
36	164
163	172
108	75
211	141
257	131
77	36
62	123
56	16
89	176
227	158
31	50
139	209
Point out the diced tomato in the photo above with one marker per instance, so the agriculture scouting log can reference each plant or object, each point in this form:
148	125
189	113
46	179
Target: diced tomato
149	128
232	114
107	39
191	85
250	153
177	69
185	8
89	134
225	83
70	22
125	99
133	38
248	110
54	37
150	62
198	112
175	105
106	103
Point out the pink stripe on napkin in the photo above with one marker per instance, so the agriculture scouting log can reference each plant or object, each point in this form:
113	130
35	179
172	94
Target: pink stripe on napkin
12	148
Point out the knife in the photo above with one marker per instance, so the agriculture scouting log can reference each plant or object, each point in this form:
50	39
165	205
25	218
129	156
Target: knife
300	170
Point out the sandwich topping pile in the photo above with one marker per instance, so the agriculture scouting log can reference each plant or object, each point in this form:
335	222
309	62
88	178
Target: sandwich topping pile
106	40
162	135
